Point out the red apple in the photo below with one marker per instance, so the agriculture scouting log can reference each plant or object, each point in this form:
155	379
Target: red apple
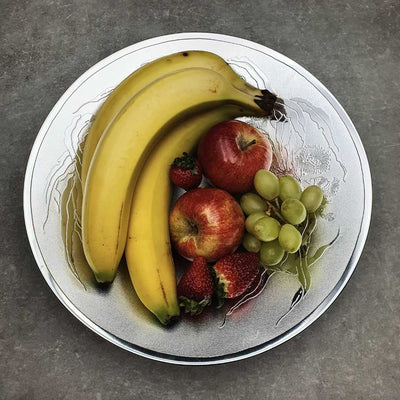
231	152
206	222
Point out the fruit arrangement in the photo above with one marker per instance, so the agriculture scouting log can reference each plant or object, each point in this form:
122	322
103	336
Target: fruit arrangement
169	123
278	221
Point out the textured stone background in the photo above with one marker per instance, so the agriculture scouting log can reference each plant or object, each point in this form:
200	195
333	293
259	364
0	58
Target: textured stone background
352	351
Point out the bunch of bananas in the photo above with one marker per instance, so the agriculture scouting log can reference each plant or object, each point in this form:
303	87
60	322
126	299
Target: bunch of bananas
157	112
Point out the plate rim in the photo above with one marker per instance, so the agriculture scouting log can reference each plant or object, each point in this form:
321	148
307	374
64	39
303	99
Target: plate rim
251	351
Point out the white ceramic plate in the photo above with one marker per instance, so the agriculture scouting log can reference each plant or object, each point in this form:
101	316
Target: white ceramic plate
324	148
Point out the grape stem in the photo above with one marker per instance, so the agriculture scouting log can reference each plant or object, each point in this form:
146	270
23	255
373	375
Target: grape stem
275	211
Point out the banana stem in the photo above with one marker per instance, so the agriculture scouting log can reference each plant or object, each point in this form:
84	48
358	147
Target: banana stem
271	104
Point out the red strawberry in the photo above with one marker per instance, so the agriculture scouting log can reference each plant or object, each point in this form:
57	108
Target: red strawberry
186	172
196	287
235	273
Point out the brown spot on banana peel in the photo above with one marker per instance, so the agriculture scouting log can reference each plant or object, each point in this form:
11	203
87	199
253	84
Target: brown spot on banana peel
162	288
169	251
119	227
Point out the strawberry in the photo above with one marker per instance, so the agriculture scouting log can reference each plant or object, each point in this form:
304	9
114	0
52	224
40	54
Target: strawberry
235	273
196	287
186	172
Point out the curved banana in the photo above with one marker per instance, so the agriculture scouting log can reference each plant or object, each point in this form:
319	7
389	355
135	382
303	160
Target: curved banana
148	250
144	76
126	144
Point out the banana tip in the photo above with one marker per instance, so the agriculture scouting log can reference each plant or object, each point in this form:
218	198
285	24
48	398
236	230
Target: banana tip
168	320
104	278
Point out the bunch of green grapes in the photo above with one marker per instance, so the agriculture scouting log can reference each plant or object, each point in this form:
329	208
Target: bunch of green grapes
274	214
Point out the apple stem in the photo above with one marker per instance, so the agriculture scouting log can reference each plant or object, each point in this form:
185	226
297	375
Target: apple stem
244	146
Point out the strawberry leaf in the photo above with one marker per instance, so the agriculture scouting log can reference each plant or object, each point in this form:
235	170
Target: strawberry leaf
193	307
186	162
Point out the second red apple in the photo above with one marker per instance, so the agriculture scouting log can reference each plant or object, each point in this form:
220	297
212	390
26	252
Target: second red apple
231	153
206	222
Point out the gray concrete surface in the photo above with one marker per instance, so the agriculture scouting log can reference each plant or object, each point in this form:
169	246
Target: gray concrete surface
352	351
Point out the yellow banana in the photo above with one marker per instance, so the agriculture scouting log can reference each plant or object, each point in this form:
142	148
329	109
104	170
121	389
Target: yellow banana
144	76
126	144
148	250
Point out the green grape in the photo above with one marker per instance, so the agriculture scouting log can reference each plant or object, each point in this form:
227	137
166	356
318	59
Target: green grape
252	219
312	198
289	238
266	229
293	211
271	253
289	188
266	184
251	243
251	203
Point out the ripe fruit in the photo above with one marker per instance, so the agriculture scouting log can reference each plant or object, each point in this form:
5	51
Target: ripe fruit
312	197
235	273
231	153
266	229
206	222
293	211
271	253
252	219
148	249
196	287
157	69
266	184
126	144
289	188
251	243
289	238
185	172
251	203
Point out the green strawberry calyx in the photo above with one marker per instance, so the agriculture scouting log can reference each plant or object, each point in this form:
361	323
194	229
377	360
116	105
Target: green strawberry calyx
191	306
186	162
